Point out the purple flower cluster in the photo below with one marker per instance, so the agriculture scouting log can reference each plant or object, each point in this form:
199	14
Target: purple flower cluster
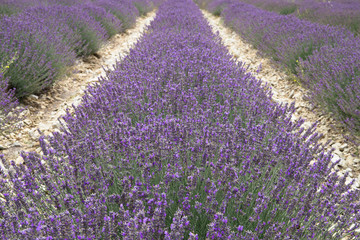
178	142
323	57
8	114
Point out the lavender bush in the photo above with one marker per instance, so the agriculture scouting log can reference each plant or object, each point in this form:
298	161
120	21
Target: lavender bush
109	22
124	10
48	35
333	75
41	52
178	142
80	21
143	6
322	57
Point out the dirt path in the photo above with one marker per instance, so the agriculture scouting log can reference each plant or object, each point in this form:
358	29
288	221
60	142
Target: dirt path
287	91
43	111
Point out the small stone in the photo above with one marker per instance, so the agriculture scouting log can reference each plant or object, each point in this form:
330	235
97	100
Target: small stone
342	147
25	113
34	134
336	145
291	95
2	147
33	97
336	158
56	125
350	160
340	154
27	121
43	126
357	181
306	125
3	168
16	144
35	144
97	55
348	180
19	160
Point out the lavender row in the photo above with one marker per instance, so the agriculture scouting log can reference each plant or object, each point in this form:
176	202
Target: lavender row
178	142
322	57
344	13
44	38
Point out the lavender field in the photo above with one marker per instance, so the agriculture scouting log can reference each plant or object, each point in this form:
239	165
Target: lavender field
344	13
178	140
324	58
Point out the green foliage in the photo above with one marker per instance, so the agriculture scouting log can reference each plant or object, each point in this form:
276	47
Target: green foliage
91	40
354	26
217	11
6	10
288	10
126	22
110	28
6	65
305	50
140	8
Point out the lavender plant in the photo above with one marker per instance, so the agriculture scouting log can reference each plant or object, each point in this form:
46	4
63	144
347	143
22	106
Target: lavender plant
91	31
41	53
109	22
124	10
48	35
333	75
143	6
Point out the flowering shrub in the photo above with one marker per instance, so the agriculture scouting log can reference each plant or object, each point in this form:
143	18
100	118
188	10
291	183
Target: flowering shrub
48	35
109	22
178	142
42	46
333	75
321	56
124	10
